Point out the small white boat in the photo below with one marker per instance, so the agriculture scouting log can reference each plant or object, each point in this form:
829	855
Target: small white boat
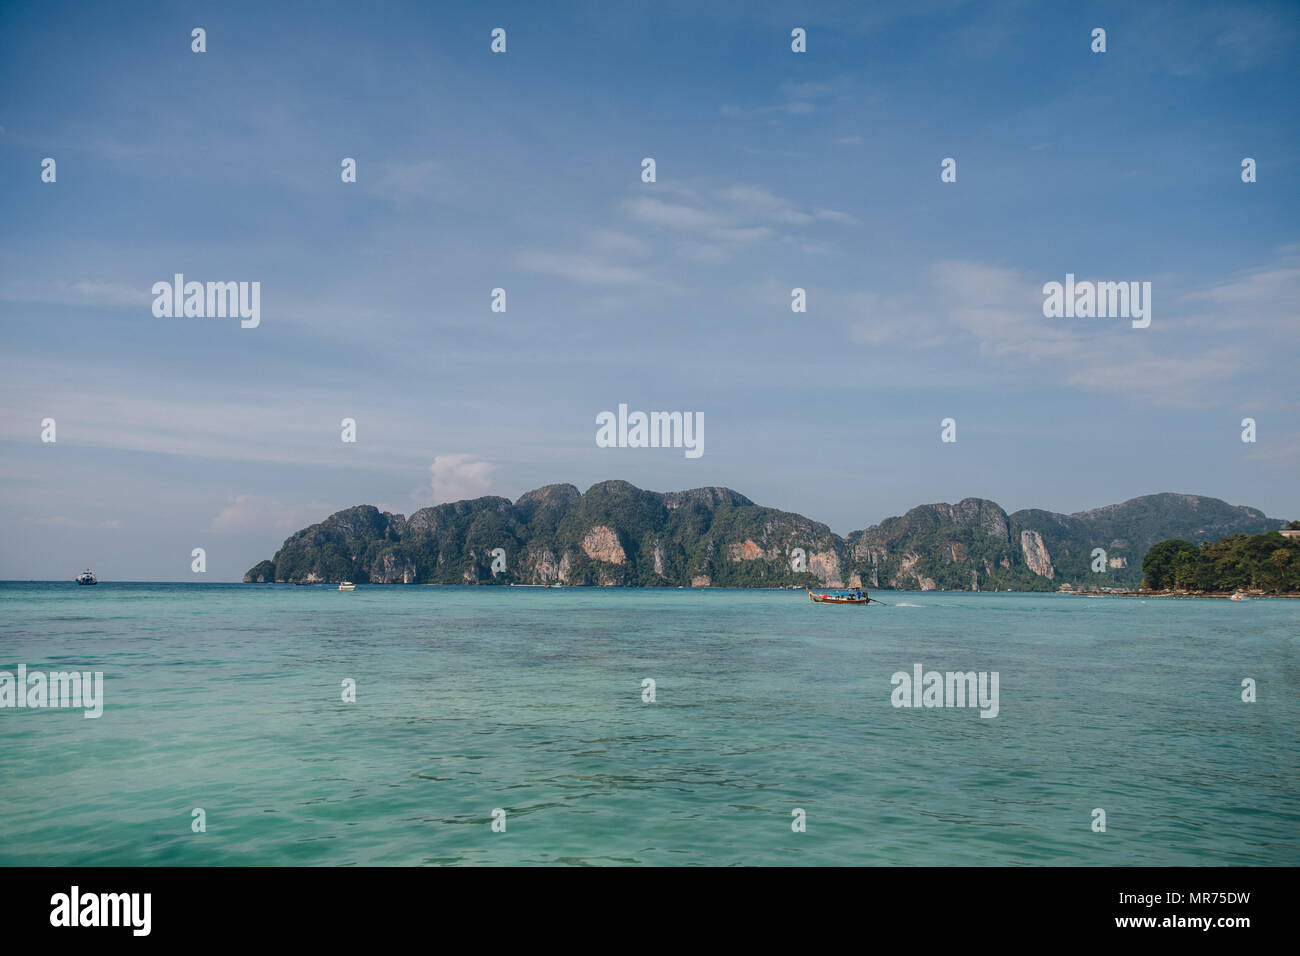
347	586
1236	596
87	577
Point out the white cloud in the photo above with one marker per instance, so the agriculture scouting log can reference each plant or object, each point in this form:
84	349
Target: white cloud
1182	360
458	477
789	109
1267	296
1003	310
55	521
81	292
755	202
260	513
705	226
623	243
398	181
581	267
657	212
728	218
63	521
607	257
796	99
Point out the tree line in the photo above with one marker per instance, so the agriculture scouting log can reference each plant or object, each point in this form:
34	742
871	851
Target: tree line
1266	562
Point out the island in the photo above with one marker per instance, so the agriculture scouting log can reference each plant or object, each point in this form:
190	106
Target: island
616	534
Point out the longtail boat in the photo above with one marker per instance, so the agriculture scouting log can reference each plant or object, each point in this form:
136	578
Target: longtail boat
825	597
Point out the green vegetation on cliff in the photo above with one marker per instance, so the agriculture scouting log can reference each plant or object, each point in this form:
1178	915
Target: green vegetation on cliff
618	534
1265	562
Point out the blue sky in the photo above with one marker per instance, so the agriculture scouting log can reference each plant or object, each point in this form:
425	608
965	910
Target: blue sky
775	170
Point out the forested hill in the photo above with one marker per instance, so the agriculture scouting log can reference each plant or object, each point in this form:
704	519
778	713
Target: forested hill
1266	562
618	534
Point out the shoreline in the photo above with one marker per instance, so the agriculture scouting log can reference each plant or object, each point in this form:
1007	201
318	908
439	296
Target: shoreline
1214	595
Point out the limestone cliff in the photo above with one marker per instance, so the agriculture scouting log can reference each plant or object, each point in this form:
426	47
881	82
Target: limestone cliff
1036	557
617	534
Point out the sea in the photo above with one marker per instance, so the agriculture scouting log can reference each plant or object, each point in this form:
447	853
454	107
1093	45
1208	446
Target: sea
266	725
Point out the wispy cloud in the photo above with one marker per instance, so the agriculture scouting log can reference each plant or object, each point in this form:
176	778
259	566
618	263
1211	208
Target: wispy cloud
1180	361
63	521
258	513
78	292
794	98
704	224
458	477
585	267
1264	297
758	203
401	181
710	224
1209	38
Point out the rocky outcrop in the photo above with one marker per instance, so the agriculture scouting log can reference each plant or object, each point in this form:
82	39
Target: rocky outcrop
261	573
1036	557
709	498
746	550
550	497
826	565
392	569
546	568
601	544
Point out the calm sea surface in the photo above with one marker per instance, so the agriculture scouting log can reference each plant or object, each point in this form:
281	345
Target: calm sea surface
228	698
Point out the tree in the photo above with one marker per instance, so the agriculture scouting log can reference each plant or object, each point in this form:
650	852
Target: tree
1279	563
1166	562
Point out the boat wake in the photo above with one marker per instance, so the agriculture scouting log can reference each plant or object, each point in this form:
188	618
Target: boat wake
906	604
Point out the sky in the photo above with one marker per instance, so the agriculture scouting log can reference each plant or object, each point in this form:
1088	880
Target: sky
522	170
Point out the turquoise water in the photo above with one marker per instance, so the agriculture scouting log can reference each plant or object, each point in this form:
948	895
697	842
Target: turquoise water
228	698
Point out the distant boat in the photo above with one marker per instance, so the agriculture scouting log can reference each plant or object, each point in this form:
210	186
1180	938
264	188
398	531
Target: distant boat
347	586
87	577
1236	596
850	597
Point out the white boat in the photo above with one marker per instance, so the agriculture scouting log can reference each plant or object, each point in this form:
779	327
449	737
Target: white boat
347	586
1236	596
87	577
